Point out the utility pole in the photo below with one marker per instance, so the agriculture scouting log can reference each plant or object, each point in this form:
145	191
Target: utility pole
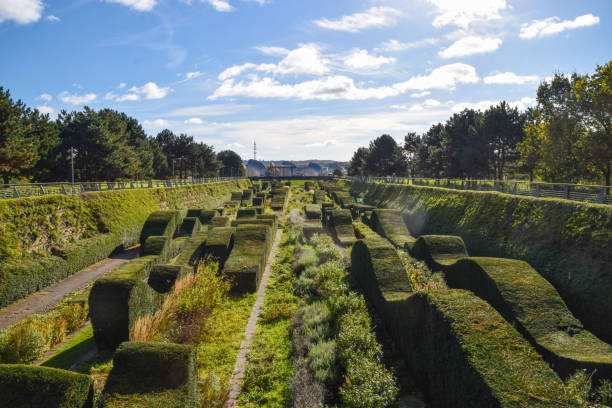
72	166
254	150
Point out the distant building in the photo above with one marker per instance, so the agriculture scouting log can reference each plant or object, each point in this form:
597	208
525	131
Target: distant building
255	168
281	170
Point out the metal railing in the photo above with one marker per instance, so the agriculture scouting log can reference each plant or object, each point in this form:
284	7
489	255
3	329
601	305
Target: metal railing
41	189
576	192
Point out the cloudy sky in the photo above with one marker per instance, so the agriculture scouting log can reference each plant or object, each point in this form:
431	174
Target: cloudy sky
305	79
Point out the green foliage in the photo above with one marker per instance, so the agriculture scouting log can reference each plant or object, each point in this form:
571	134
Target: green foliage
73	232
32	386
152	375
231	164
205	294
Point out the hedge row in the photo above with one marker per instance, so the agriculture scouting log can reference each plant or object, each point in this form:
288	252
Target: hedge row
532	305
390	224
567	242
29	386
46	239
280	198
219	221
147	374
219	243
464	352
313	211
439	251
190	226
247	260
341	223
161	223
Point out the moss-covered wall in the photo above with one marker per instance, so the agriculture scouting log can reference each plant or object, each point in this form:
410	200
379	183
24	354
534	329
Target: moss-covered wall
45	239
568	242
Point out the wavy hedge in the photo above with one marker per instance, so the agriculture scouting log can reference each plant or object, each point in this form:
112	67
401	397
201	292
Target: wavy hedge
390	224
161	223
312	211
45	239
532	305
462	351
219	243
341	222
147	374
25	386
439	251
567	242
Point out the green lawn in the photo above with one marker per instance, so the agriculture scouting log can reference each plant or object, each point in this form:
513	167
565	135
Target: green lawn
72	351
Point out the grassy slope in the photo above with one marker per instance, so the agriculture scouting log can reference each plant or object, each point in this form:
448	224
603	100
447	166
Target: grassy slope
67	233
567	242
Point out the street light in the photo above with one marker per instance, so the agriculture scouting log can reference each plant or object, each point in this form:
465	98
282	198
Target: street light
72	151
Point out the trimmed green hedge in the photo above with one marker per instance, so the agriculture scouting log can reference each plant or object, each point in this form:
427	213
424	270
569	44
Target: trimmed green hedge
220	221
219	243
189	226
391	225
280	198
119	299
313	211
163	277
533	306
439	251
247	212
46	239
236	196
462	352
156	245
319	197
254	221
258	201
246	263
161	223
341	223
192	250
152	375
567	242
29	386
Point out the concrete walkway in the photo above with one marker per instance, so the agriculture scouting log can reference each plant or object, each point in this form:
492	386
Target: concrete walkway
46	299
249	334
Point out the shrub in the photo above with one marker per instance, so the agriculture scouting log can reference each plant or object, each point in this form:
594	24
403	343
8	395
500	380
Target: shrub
161	223
322	360
32	386
190	226
390	224
152	375
439	251
312	211
279	305
219	221
23	343
219	243
204	294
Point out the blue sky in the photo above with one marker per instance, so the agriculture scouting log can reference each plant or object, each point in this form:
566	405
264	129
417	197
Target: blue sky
306	79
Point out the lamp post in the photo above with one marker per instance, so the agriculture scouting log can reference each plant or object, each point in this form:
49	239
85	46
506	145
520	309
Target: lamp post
72	166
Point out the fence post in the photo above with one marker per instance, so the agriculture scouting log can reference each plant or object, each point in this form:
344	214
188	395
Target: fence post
514	189
566	193
537	192
600	197
64	190
42	190
15	192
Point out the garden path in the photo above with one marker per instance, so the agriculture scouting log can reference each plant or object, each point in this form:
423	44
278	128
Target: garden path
249	334
46	299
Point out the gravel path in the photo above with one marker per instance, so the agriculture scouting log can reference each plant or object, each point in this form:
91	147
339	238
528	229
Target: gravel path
46	299
249	333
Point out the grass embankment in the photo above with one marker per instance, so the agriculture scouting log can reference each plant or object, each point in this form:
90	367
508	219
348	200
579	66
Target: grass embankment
567	242
45	239
28	340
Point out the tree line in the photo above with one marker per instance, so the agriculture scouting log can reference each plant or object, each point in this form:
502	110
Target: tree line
108	145
566	137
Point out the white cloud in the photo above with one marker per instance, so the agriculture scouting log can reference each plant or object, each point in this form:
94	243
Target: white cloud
193	121
361	59
45	110
109	96
151	91
122	85
52	18
208	110
75	99
395	45
509	78
130	97
235	145
139	5
342	87
554	25
326	143
275	51
445	77
471	45
219	5
303	60
44	97
155	124
466	12
420	94
379	17
21	11
521	104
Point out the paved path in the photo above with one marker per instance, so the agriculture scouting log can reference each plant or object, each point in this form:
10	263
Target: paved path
249	333
46	299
